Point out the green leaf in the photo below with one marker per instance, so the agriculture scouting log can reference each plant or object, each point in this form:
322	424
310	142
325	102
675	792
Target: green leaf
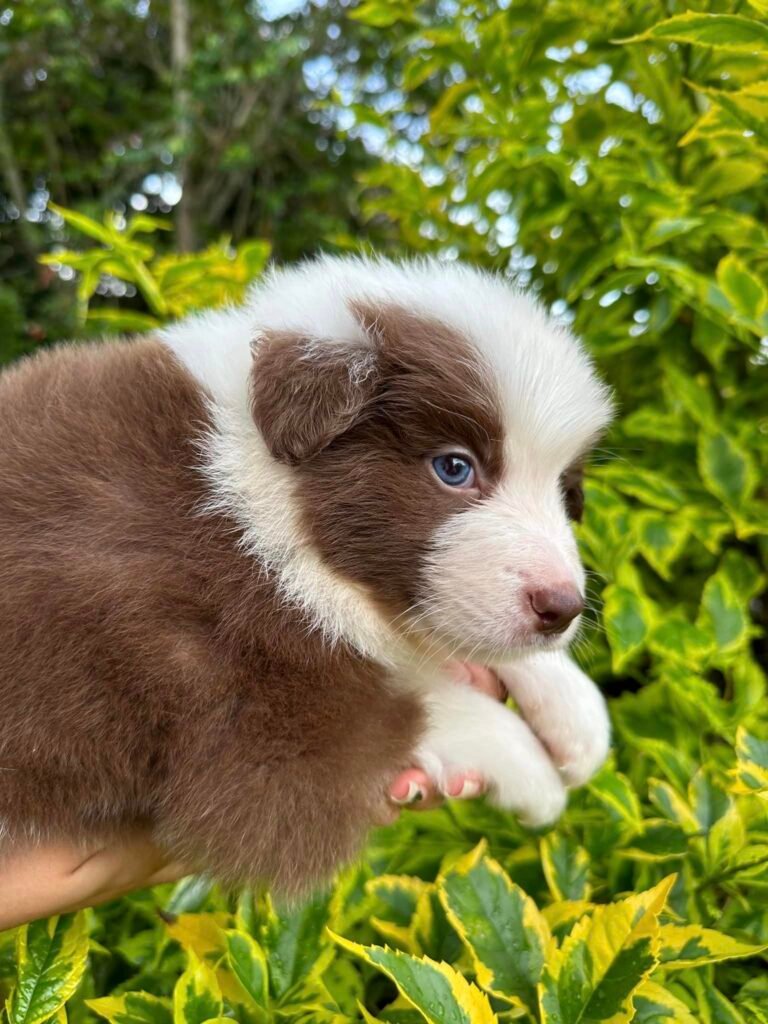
655	1004
751	772
680	642
724	614
132	1008
650	487
294	941
673	805
615	790
249	965
566	867
748	107
659	841
714	1007
628	618
51	956
85	225
503	930
722	31
743	287
727	469
117	319
726	839
196	995
661	539
438	992
691	946
381	13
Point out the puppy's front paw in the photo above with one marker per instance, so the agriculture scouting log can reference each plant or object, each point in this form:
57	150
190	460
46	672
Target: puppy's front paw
578	756
470	733
566	711
537	794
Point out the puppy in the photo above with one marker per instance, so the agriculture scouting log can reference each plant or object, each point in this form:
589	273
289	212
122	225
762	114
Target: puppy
236	556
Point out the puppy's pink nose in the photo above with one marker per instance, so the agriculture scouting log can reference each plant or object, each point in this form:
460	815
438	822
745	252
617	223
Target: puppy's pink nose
556	607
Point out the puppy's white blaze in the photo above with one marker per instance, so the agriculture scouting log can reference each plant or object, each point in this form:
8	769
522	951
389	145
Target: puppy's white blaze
553	406
486	561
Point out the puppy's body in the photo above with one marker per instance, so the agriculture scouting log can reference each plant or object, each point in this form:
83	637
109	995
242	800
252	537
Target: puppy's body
222	606
149	669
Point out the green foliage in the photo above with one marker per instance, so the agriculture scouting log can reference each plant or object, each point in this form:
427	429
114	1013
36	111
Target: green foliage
170	286
96	113
612	157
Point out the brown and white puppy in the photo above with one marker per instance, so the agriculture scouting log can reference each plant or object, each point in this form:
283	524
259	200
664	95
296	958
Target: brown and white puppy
234	558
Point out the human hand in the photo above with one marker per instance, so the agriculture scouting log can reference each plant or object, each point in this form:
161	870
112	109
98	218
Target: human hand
58	877
413	787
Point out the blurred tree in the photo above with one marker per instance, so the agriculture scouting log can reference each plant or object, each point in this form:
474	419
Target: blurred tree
198	106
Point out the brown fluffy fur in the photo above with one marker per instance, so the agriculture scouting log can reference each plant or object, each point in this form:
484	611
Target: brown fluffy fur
149	671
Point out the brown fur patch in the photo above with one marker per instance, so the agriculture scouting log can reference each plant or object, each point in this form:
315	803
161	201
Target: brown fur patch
147	671
370	500
304	393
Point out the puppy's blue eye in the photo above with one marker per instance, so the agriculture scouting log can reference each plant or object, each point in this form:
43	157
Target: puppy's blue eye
454	470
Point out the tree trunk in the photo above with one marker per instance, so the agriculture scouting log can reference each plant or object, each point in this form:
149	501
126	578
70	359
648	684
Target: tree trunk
185	227
15	185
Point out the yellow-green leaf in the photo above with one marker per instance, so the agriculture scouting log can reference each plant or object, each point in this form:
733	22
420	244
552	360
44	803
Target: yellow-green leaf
743	287
627	617
726	838
439	993
249	965
196	995
751	772
727	470
200	934
721	31
51	956
724	614
132	1008
501	926
691	946
615	790
604	960
654	1004
661	539
566	867
564	913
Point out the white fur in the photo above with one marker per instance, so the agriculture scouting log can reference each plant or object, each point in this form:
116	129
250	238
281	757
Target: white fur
484	560
469	731
565	709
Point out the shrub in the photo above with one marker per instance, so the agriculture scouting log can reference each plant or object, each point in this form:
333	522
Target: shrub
625	182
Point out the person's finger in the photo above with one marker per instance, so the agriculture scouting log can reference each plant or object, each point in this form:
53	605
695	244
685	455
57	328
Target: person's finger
414	789
485	679
411	787
480	677
58	877
465	786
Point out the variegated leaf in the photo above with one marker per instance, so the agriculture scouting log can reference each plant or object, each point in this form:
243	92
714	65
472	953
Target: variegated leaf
439	993
501	926
51	955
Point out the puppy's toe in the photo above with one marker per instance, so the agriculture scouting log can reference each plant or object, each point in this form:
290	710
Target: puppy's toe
538	797
581	757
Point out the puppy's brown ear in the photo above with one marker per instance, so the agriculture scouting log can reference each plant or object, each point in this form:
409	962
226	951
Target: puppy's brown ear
307	391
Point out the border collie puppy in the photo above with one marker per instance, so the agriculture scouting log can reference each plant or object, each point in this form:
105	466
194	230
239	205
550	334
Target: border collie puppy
235	557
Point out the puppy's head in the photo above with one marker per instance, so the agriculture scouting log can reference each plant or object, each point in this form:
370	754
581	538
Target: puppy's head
437	441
